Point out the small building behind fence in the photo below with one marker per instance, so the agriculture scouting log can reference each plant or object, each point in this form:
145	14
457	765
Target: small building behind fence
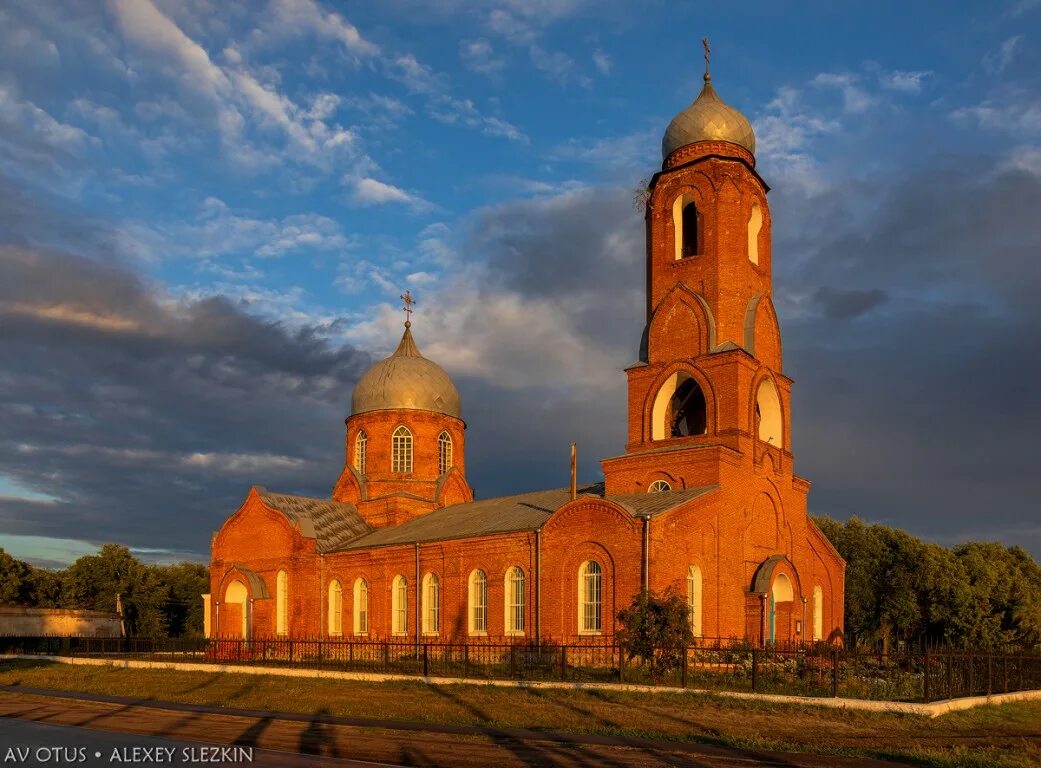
20	620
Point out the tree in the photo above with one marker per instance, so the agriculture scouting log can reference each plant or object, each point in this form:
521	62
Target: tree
14	579
185	584
93	582
656	629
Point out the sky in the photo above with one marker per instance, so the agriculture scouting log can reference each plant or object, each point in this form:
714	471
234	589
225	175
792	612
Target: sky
208	210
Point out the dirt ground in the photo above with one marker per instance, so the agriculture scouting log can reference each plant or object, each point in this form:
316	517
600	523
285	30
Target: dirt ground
1008	735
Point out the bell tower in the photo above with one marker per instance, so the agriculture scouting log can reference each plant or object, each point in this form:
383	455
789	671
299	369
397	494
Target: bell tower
708	389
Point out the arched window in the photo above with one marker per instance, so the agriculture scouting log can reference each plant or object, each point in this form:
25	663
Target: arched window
399	605
818	613
282	603
679	408
335	608
431	604
694	599
514	602
444	453
401	450
361	441
361	607
478	603
755	223
658	486
590	585
687	223
768	413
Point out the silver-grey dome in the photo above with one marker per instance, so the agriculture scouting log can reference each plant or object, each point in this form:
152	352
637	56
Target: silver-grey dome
709	118
406	379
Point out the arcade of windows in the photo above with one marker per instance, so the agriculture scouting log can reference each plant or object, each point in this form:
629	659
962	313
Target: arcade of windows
401	453
589	605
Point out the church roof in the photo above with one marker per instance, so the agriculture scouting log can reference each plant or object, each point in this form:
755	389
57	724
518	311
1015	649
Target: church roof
709	118
512	514
332	523
408	380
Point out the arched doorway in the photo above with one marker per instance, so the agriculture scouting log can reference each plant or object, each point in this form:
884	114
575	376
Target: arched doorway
782	596
234	614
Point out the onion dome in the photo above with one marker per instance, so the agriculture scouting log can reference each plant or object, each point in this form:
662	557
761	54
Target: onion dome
709	118
408	380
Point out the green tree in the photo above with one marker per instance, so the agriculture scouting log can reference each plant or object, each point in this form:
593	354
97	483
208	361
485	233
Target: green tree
656	629
185	584
93	582
14	579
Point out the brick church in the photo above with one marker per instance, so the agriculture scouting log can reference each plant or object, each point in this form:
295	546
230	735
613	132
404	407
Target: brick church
703	500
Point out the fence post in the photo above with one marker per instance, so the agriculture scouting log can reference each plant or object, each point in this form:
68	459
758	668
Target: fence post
990	674
386	655
835	673
563	662
426	661
683	669
513	662
621	664
972	676
755	670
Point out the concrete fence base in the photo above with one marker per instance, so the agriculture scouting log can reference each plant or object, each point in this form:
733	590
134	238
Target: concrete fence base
932	709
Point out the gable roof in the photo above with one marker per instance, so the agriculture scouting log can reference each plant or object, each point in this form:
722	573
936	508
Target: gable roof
332	523
511	514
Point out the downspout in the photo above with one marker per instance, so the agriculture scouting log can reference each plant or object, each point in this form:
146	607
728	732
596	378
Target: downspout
216	619
646	553
538	587
321	594
417	599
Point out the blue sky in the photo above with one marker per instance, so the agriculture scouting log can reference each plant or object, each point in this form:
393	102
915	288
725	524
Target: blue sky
210	209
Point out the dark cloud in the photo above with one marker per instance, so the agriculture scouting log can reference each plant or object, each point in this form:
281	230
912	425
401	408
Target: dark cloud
148	418
845	305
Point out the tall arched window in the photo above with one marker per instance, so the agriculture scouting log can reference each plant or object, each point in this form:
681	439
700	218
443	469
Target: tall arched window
361	441
768	413
687	223
694	598
401	450
282	603
679	408
361	607
590	598
514	601
478	603
818	613
335	608
431	604
399	605
444	453
755	223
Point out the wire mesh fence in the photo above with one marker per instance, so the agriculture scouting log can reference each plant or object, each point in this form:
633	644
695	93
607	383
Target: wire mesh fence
799	669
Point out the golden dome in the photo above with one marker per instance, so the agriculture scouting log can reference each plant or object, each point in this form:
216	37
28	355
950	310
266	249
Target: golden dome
406	379
709	118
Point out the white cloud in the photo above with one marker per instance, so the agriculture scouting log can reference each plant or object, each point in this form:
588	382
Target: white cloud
602	62
479	56
999	60
290	17
369	191
904	81
855	98
1018	115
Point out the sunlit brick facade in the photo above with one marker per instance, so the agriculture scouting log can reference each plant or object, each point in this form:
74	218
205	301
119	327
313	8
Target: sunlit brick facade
704	500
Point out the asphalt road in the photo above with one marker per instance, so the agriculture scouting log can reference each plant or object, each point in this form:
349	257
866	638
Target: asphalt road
81	729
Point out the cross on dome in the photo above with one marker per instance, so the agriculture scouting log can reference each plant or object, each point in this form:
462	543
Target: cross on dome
409	303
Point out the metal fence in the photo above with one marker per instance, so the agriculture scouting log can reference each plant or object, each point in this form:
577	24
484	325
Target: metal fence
800	669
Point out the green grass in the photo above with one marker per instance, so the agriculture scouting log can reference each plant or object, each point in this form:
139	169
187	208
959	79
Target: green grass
1007	736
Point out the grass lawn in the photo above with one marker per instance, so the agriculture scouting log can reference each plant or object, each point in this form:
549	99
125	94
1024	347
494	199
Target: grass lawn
1003	736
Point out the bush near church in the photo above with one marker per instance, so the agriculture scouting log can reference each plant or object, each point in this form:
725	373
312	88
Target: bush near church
656	629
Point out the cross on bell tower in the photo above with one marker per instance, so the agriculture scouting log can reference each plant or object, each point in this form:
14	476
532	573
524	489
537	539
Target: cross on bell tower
409	303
